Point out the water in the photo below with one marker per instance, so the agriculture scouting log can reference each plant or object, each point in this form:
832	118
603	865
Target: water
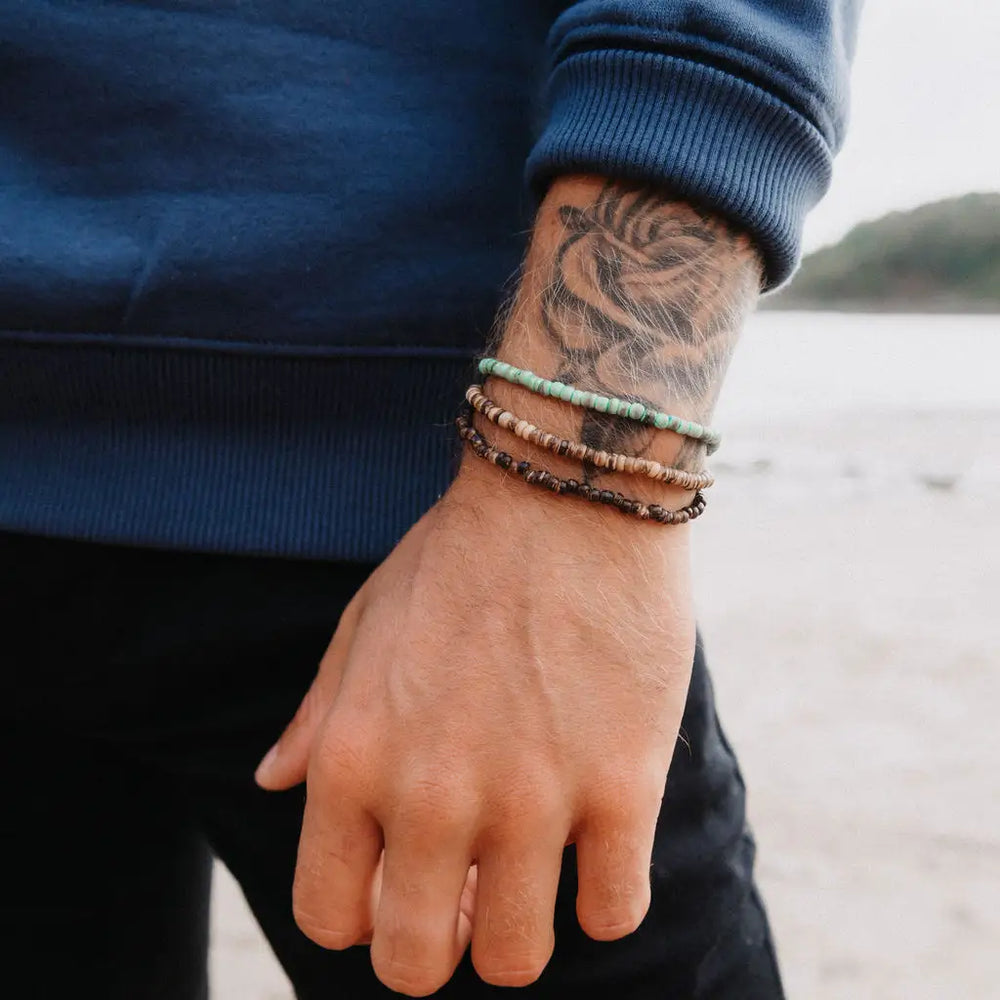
864	401
806	363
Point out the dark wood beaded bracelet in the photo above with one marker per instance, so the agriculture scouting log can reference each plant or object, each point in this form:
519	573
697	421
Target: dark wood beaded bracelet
544	479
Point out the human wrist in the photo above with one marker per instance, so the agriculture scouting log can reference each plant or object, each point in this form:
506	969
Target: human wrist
497	502
633	295
538	418
625	295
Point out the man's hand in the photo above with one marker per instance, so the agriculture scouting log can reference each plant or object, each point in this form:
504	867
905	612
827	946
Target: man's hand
512	678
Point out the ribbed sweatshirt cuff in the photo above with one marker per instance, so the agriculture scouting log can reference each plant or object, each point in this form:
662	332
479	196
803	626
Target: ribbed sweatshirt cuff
701	133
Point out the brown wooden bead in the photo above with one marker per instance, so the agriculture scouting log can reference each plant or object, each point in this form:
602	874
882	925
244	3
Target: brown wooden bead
545	479
582	452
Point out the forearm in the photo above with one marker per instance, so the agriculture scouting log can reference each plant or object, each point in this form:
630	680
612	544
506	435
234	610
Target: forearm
627	293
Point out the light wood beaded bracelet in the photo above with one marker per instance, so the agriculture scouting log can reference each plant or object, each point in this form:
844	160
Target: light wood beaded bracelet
544	479
627	408
612	461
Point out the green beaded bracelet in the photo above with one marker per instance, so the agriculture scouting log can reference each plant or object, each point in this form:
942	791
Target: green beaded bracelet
602	404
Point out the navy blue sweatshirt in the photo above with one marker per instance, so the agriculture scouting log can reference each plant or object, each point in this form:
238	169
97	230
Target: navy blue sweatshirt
249	247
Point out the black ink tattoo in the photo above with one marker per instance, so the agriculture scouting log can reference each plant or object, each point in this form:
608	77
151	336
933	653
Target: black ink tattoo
644	301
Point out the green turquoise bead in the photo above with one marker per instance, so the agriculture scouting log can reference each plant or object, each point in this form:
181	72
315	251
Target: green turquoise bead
602	404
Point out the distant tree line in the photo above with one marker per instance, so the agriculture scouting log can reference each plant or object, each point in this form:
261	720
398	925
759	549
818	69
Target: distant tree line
941	256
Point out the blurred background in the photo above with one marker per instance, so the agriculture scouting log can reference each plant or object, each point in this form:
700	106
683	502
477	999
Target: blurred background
848	576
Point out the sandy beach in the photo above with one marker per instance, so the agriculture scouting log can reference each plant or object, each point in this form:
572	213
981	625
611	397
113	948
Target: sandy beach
849	603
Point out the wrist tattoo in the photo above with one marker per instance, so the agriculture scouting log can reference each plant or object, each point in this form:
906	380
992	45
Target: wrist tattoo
643	299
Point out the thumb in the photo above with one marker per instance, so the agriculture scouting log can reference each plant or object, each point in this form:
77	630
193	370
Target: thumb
285	764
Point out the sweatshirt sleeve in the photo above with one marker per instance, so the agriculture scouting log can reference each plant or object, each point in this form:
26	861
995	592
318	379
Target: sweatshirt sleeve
738	105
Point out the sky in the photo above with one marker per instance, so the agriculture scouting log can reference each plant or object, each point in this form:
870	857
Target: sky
925	112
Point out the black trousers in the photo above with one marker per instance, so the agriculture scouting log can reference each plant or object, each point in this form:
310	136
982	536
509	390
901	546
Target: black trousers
140	688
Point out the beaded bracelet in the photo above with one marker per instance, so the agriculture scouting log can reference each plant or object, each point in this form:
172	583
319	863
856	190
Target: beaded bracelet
584	453
603	404
540	477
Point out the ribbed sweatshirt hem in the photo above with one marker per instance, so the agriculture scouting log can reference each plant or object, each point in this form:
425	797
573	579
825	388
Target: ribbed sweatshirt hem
323	456
694	129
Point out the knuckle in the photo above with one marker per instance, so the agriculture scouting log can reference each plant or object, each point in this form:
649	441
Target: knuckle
333	938
510	969
511	951
622	807
324	863
339	752
533	800
614	791
613	922
435	801
415	979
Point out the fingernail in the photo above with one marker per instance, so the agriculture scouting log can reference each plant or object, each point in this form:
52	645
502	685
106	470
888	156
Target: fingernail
264	767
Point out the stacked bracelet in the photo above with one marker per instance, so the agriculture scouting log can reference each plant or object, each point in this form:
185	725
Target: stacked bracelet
542	478
629	409
581	452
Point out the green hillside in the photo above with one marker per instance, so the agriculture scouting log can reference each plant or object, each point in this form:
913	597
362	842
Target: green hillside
941	256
